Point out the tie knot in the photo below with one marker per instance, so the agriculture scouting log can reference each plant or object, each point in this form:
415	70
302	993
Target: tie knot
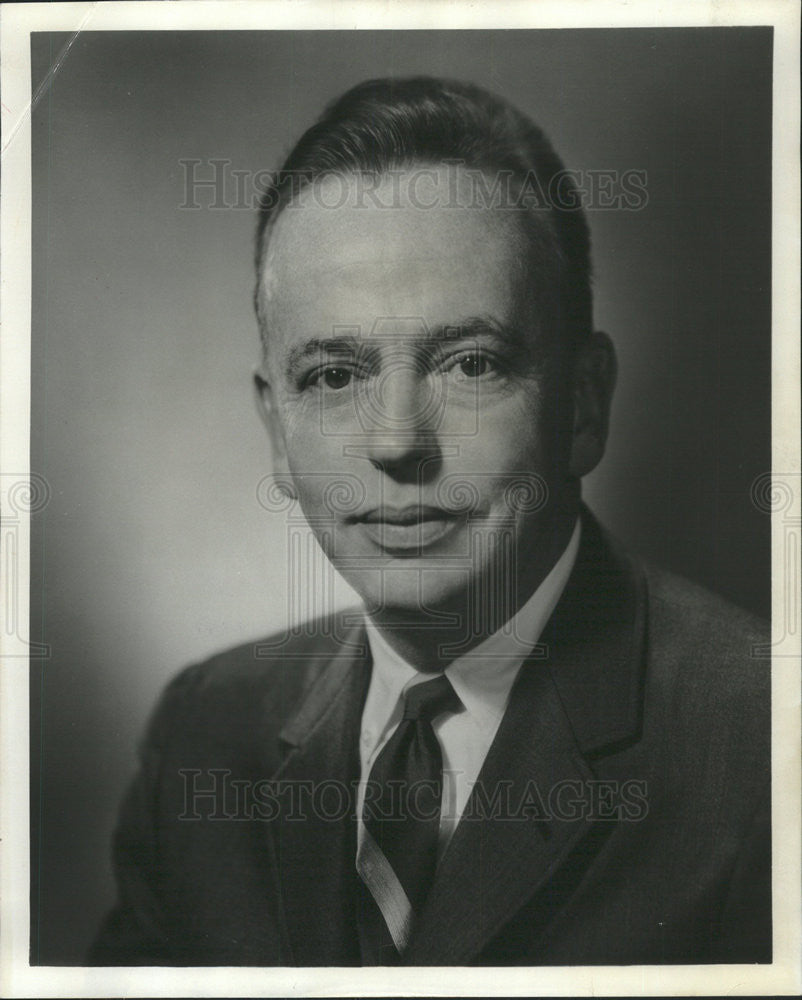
432	698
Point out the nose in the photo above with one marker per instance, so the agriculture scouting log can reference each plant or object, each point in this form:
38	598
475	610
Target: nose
401	423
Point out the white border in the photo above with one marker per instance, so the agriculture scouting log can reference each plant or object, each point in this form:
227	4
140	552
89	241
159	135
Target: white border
784	977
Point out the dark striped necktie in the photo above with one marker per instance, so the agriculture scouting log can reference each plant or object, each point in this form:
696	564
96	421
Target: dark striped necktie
401	821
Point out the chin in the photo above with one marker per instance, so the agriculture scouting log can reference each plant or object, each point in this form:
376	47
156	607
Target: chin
414	594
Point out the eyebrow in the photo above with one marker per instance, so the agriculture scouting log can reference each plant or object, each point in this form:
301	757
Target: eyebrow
462	329
318	346
476	326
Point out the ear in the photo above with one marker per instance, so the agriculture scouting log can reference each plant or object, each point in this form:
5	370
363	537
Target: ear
266	405
594	380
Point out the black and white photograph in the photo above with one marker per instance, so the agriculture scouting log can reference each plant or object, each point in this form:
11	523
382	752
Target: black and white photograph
401	499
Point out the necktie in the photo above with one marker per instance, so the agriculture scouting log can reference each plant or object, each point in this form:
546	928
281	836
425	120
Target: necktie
401	819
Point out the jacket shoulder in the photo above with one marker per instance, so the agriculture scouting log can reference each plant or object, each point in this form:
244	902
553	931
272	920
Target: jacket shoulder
708	657
252	688
695	616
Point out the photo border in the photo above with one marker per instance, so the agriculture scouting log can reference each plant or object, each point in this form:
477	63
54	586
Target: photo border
782	977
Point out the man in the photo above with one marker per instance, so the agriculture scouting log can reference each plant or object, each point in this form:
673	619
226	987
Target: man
529	748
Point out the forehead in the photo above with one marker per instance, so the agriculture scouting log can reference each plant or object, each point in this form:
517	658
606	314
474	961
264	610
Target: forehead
338	256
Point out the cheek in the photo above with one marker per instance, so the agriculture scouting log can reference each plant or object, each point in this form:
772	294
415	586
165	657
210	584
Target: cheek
328	493
315	425
510	436
304	433
511	466
312	499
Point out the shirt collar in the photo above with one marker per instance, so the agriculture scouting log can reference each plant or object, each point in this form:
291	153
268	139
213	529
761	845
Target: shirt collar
483	677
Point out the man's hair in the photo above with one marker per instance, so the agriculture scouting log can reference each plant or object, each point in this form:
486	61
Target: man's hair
390	124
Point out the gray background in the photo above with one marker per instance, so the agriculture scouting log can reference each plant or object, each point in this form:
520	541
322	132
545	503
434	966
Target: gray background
153	550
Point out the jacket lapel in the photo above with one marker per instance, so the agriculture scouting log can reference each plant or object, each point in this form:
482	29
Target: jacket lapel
579	694
314	835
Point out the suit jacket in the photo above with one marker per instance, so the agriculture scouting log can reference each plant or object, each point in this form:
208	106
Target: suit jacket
622	816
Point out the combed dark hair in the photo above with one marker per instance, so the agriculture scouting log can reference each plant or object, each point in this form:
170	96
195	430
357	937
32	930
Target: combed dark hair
387	124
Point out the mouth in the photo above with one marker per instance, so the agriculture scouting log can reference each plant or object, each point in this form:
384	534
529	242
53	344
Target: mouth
408	530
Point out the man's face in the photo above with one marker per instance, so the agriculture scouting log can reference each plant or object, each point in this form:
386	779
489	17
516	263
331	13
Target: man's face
413	398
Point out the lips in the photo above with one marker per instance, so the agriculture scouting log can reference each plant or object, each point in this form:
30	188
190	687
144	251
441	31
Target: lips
407	529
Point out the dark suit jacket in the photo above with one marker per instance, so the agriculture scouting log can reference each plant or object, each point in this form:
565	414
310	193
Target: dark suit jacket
630	778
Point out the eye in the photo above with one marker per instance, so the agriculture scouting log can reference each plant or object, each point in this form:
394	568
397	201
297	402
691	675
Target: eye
336	378
473	364
333	377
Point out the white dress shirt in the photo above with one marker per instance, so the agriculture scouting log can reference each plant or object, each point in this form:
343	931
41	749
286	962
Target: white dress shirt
482	679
